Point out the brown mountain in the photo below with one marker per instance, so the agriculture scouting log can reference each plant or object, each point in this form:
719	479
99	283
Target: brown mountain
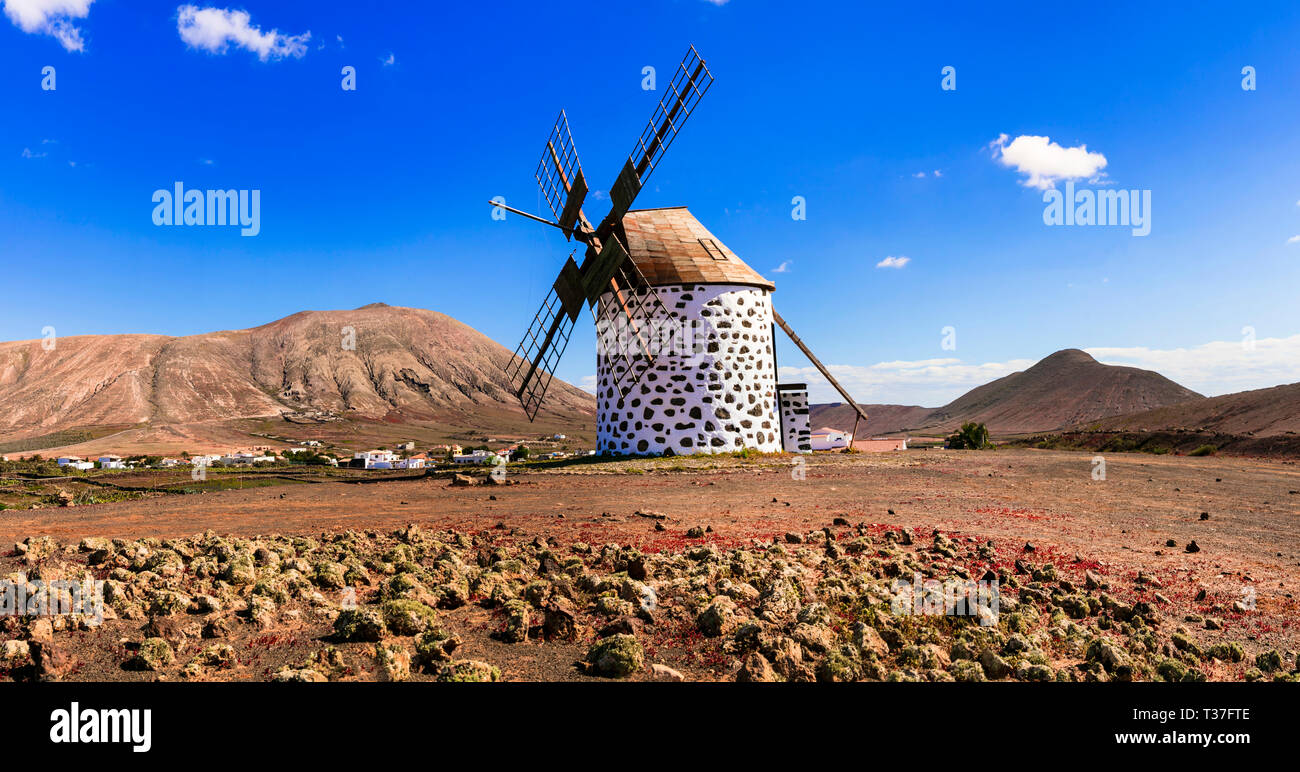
408	366
1261	413
1064	389
881	419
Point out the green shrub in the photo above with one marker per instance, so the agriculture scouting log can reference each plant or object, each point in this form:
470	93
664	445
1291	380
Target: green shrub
971	436
1204	450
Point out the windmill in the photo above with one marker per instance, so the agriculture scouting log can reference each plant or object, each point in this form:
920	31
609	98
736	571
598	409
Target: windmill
719	395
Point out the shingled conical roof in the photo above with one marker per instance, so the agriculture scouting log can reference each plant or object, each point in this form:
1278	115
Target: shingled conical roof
670	246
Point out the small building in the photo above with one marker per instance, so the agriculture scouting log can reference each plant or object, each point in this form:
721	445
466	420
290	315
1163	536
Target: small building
473	457
409	463
111	462
83	465
827	438
880	444
374	459
67	460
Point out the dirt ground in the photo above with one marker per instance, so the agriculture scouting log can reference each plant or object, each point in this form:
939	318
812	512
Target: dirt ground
1243	514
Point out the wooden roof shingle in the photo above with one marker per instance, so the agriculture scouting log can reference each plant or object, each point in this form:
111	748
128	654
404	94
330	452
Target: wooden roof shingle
670	246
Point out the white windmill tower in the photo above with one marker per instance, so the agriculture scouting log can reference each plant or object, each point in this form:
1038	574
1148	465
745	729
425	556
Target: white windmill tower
686	358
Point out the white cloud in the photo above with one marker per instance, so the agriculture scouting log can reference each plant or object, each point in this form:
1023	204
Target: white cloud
938	173
1218	367
1294	239
784	267
893	262
1044	162
27	153
50	17
588	384
389	60
928	382
919	175
214	29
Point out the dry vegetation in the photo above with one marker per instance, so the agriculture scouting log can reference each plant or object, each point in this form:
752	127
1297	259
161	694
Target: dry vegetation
714	568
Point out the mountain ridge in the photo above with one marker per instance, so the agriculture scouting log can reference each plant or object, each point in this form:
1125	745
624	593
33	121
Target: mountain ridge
1064	388
376	363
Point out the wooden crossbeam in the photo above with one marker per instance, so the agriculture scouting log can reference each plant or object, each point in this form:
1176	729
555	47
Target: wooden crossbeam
826	373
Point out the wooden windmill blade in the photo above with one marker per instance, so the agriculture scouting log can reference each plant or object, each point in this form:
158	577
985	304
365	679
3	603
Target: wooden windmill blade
630	316
532	367
559	175
688	86
631	309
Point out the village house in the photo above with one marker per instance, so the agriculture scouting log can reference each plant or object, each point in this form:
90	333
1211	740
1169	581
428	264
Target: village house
374	459
111	462
880	444
246	458
67	460
473	457
827	438
414	462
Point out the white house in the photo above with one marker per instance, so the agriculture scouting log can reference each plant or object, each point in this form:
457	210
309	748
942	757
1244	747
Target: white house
111	462
473	457
376	459
827	438
82	465
66	460
408	463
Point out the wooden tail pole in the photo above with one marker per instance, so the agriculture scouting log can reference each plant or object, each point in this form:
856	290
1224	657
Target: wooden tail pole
862	415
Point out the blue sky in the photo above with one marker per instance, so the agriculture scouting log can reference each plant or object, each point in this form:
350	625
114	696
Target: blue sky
378	194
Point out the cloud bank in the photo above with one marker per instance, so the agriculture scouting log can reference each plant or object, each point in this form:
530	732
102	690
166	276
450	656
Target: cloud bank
215	29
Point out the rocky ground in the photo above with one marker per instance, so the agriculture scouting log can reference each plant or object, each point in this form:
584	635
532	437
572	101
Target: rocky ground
498	603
